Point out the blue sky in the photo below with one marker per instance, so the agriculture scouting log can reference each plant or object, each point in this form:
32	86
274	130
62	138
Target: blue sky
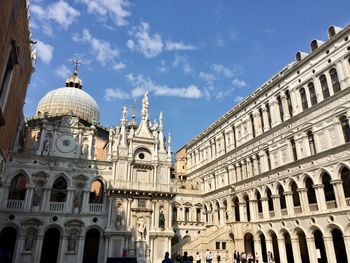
197	58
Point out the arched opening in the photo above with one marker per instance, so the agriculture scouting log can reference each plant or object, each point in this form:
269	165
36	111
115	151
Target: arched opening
8	238
236	205
303	247
289	102
263	248
187	215
59	190
51	242
246	200
345	176
324	86
249	244
258	199
198	215
303	98
175	214
96	192
268	114
275	252
282	197
312	146
312	92
311	194
18	188
334	80
280	106
91	247
327	187
269	199
296	198
289	250
339	246
217	207
318	237
345	127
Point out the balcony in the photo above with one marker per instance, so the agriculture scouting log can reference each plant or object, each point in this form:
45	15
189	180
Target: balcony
140	186
95	208
15	205
57	206
331	204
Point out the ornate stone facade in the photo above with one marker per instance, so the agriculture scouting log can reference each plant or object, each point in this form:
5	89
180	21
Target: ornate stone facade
273	173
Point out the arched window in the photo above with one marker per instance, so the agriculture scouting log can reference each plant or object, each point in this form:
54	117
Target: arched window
246	200
303	98
311	140
345	176
311	195
198	215
282	197
175	213
324	86
335	80
96	192
268	159
236	204
258	199
294	149
261	119
18	188
328	187
280	106
268	113
289	102
312	93
187	215
252	122
59	190
345	127
296	198
269	199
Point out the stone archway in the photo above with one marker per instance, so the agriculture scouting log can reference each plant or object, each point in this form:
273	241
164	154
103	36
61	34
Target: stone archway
249	244
276	253
91	247
263	248
51	243
289	249
304	253
8	238
339	246
320	248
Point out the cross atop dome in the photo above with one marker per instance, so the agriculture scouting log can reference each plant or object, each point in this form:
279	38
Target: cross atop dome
76	61
74	81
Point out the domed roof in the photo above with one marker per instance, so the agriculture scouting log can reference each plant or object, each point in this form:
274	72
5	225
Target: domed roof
70	100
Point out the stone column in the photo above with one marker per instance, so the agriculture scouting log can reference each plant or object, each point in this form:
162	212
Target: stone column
250	172
244	170
257	122
311	249
255	165
85	201
263	162
257	248
282	249
243	211
233	212
128	213
289	202
238	172
303	200
249	128
253	207
153	219
275	112
269	246
347	246
265	206
265	118
28	197
339	193
328	243
321	200
318	90
276	205
296	101
170	215
69	200
231	173
346	70
296	250
286	114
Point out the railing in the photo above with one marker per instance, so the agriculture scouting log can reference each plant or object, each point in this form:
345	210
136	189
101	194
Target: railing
15	204
57	206
313	207
96	208
140	186
331	204
297	209
272	213
284	212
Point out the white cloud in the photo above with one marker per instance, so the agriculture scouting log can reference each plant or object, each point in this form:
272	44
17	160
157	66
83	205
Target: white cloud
178	46
103	50
116	94
151	45
116	9
162	67
62	71
45	52
207	77
238	99
221	70
60	12
182	61
119	66
143	84
239	83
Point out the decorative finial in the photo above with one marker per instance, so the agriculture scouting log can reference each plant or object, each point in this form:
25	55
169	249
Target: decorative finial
125	112
76	61
145	107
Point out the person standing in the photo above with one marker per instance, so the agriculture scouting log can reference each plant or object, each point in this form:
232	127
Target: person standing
256	257
235	257
207	256
198	258
166	258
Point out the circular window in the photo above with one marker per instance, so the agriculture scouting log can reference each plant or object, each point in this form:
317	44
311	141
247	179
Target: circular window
142	156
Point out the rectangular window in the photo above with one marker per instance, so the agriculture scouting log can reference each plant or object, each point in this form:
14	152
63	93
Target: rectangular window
217	245
223	245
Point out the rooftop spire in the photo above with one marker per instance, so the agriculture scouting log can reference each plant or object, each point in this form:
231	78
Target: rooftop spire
74	81
76	61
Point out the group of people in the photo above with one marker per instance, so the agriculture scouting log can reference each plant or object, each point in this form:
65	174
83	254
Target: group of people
245	257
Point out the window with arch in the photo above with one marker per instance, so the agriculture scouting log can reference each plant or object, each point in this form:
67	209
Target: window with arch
198	215
289	102
311	194
174	215
18	188
246	200
269	199
280	106
236	205
324	86
303	98
282	197
311	141
187	215
345	127
296	198
312	92
96	192
334	80
294	149
345	176
327	187
261	118
267	152
59	190
258	199
268	114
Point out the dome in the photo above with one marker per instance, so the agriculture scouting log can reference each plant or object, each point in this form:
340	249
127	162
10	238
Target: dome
72	101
